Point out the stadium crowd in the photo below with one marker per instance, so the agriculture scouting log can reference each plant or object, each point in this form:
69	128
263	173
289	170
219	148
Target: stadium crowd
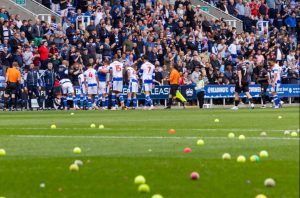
169	35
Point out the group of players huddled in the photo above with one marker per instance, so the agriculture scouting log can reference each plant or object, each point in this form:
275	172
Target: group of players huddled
265	77
96	83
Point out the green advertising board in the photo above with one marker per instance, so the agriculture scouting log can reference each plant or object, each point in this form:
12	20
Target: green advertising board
21	2
204	8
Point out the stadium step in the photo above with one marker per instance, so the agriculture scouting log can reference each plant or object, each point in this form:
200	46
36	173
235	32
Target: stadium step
212	12
29	9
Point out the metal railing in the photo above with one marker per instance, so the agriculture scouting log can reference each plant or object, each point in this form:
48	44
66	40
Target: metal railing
45	17
84	20
231	23
261	26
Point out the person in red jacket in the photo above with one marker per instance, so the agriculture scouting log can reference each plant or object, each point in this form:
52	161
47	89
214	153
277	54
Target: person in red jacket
44	54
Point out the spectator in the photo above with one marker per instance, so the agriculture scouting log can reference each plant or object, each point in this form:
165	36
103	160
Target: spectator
44	54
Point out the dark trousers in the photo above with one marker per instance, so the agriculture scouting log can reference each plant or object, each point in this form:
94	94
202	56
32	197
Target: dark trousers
33	90
44	64
49	97
200	97
264	95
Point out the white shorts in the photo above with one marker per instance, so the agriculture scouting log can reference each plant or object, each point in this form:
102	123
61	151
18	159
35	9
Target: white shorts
118	86
147	86
102	88
67	87
92	90
276	88
133	87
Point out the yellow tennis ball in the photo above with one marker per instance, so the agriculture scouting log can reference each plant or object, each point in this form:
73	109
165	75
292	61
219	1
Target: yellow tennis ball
2	152
140	179
144	188
77	150
200	142
241	159
74	167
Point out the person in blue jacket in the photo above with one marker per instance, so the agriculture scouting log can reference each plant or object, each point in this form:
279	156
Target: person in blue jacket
291	23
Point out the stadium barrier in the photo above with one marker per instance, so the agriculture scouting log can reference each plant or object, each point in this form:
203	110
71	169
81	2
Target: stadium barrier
211	92
262	27
84	21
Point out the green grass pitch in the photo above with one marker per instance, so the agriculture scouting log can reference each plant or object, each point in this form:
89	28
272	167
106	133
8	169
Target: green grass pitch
138	143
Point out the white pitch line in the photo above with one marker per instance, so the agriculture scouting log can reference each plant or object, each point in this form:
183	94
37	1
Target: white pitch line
137	137
149	129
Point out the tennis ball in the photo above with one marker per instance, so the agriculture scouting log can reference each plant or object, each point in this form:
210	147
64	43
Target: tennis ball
72	113
242	137
157	196
172	131
101	126
2	152
74	167
144	188
217	120
93	125
195	176
231	135
200	142
269	182
279	117
263	154
254	158
53	126
226	156
77	150
78	162
187	150
263	133
140	179
241	159
286	132
294	134
261	196
42	185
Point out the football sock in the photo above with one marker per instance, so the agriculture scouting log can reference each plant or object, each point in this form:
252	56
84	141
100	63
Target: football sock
134	102
81	101
96	100
113	100
128	102
65	101
236	103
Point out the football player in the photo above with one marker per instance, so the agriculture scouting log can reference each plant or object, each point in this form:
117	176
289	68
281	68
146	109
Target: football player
132	88
116	77
91	83
147	73
275	82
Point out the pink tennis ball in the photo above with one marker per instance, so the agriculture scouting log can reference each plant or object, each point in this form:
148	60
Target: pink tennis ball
195	176
187	150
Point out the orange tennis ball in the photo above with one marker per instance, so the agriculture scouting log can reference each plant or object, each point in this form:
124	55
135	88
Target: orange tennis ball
172	131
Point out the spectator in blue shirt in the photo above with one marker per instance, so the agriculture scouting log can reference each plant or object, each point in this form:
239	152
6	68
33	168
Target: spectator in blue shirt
291	23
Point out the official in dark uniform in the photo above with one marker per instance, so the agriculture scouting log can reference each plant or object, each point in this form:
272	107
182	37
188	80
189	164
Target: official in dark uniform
32	83
49	79
243	81
262	77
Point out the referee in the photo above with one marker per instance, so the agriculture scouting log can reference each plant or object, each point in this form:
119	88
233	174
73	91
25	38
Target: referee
13	78
174	84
